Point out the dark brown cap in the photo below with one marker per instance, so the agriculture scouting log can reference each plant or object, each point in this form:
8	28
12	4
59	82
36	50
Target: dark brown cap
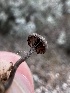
37	42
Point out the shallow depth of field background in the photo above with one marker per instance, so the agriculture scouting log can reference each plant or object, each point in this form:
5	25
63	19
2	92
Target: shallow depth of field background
49	18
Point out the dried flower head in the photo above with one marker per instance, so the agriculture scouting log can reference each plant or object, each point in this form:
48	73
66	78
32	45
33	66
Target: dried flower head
37	42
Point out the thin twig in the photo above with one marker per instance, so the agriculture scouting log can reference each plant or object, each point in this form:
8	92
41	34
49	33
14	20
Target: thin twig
16	65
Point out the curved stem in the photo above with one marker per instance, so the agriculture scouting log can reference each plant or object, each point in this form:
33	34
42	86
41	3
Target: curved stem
16	65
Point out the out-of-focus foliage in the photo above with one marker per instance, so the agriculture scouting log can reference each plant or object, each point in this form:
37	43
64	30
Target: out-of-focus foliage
33	15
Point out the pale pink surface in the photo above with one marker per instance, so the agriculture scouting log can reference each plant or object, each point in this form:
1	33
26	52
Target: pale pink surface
23	68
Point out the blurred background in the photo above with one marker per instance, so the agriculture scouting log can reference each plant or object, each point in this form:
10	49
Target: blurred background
49	18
